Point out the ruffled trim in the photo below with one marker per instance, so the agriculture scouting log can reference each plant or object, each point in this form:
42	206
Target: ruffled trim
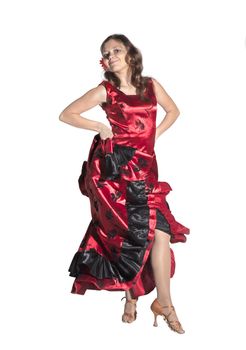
113	161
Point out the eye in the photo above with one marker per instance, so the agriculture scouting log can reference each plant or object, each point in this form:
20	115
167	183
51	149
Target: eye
106	56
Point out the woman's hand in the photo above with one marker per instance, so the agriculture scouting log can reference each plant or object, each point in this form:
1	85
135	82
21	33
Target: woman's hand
105	132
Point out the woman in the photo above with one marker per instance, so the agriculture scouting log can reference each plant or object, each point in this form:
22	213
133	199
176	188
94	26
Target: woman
126	245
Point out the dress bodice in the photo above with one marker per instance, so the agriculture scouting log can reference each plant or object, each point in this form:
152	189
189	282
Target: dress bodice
133	121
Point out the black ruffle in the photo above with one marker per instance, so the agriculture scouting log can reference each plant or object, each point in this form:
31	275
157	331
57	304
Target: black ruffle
89	261
111	162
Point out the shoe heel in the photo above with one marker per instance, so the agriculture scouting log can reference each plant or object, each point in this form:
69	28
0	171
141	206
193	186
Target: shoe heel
155	324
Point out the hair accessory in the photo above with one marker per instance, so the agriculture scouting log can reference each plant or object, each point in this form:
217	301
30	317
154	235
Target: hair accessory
103	64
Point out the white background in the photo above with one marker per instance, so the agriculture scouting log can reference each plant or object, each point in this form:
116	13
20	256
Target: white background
50	57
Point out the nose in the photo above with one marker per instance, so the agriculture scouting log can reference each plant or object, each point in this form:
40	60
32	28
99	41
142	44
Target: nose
111	55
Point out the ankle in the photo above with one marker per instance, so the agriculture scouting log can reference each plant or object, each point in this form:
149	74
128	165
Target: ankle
164	300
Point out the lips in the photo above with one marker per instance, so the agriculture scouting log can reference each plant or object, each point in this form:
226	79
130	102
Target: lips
111	63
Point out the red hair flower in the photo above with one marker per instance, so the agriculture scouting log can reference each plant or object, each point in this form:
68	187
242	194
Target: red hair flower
103	64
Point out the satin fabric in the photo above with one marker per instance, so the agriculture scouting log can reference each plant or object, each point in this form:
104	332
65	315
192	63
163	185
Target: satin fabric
120	178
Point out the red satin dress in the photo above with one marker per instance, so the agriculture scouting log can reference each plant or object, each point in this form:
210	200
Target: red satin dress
127	201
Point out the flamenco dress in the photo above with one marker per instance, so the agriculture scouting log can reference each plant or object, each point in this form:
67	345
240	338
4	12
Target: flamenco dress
127	202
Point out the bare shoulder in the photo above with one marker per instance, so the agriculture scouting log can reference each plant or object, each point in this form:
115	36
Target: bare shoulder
163	97
88	100
97	94
158	88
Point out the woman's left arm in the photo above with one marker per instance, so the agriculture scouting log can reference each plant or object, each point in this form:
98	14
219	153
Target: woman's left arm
169	106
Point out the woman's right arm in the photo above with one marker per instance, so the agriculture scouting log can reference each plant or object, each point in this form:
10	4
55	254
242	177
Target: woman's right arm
71	114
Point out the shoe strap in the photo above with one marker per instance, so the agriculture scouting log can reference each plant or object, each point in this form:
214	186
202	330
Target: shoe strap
169	306
132	301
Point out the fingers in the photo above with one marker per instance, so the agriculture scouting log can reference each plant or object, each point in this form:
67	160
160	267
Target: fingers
105	133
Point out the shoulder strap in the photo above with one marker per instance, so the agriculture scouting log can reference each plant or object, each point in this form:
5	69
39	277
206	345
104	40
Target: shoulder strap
108	88
105	83
151	88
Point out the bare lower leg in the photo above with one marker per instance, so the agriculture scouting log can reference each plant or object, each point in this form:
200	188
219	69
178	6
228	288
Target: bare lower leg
161	265
128	294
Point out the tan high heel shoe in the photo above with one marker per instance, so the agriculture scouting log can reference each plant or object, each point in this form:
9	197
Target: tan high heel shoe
127	316
174	325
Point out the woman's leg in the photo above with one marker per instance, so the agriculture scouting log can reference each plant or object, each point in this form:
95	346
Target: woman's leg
128	294
161	265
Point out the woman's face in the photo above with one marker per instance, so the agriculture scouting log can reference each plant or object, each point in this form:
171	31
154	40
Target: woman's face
114	53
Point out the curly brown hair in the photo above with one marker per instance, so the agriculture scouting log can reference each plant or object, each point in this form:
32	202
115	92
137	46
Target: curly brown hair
134	59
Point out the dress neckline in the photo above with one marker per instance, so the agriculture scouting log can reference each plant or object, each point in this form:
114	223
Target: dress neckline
120	90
